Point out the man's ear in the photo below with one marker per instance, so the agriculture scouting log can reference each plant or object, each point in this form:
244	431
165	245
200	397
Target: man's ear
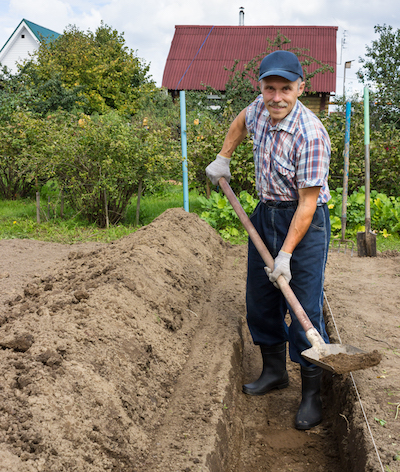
301	89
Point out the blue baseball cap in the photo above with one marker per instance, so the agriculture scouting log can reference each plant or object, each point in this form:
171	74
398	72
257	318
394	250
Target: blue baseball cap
283	64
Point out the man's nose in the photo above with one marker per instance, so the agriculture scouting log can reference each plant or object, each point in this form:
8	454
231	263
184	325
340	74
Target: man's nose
277	96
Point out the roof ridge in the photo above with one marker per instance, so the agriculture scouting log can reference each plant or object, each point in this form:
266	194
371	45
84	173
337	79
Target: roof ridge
38	29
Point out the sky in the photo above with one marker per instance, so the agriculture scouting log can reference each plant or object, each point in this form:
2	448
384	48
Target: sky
148	26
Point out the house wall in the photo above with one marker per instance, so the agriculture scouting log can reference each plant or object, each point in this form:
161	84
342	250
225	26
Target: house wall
316	103
18	49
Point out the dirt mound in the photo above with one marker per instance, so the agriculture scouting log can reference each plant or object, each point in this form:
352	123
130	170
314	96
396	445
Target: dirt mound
129	357
92	349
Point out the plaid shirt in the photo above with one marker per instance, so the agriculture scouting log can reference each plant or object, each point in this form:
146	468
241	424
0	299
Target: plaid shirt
291	155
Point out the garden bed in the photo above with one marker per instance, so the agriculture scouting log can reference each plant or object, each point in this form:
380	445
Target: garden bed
130	356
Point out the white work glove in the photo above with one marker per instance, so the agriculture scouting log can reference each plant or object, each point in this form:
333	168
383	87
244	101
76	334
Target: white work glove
281	267
219	168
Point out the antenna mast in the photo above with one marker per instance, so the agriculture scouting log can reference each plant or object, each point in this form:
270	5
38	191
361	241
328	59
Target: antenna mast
342	45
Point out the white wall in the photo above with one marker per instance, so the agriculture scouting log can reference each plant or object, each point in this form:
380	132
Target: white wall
18	49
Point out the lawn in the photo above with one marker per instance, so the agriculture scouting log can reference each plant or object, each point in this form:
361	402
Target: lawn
18	220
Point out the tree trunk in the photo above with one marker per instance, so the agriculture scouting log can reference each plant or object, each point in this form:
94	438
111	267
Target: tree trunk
106	209
37	207
139	193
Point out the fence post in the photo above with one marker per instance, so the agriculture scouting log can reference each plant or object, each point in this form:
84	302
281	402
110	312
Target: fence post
37	207
106	208
62	204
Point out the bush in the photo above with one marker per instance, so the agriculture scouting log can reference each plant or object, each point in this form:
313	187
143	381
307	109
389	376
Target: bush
384	153
219	213
25	150
103	160
385	212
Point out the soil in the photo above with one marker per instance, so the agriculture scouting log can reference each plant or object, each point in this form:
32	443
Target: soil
343	363
130	356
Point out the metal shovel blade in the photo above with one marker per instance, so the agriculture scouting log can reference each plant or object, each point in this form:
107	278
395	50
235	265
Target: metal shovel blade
366	244
339	358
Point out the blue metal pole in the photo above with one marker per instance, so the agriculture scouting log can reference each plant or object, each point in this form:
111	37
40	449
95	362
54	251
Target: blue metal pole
184	151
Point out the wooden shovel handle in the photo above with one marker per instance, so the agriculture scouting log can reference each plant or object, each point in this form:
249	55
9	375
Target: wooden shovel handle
291	298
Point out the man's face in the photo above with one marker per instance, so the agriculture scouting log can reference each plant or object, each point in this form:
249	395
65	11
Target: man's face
280	96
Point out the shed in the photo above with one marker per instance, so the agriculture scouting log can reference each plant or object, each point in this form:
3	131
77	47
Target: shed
24	41
200	55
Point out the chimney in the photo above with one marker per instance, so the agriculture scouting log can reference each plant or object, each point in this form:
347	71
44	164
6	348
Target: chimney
241	16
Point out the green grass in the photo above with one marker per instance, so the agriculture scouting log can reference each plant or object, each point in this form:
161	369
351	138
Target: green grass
153	205
18	220
390	243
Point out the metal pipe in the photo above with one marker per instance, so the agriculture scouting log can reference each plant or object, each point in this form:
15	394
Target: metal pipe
184	151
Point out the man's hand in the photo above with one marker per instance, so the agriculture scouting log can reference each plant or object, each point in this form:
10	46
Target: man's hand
219	168
281	267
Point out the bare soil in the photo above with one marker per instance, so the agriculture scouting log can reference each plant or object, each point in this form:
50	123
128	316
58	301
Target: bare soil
130	356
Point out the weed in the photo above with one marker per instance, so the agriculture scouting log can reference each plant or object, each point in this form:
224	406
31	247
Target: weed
380	422
397	405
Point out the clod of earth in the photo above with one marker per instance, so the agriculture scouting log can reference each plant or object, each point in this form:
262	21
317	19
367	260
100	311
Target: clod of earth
19	343
344	363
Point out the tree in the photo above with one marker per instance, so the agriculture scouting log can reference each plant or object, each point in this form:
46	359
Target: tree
381	72
96	71
25	150
102	160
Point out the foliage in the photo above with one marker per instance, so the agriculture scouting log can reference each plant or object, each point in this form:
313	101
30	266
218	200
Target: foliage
219	213
385	212
14	94
159	107
205	136
24	154
101	159
381	72
97	161
384	152
96	71
385	216
18	217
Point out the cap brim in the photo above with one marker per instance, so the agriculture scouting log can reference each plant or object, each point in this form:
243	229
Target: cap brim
292	76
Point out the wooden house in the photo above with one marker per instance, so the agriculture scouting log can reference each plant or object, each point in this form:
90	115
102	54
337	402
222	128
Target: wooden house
200	55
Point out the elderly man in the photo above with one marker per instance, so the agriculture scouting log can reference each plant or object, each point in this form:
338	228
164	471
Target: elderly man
291	154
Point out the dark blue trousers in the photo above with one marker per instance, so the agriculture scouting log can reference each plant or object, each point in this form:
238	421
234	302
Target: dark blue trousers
266	306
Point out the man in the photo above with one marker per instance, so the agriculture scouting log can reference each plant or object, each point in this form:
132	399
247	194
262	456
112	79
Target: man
291	154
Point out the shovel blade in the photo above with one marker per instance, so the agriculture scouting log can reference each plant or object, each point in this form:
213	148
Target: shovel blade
317	358
366	244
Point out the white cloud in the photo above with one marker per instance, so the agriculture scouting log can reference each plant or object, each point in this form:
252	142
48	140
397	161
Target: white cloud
38	12
149	25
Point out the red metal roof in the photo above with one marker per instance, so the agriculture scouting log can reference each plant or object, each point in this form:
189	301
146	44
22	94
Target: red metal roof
199	54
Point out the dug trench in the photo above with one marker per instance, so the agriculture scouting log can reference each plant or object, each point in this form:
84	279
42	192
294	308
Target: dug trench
130	356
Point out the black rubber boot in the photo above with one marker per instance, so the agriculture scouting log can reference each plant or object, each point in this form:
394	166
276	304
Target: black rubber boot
309	413
274	374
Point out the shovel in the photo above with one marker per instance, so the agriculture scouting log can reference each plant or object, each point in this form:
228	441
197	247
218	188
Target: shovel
366	242
339	358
